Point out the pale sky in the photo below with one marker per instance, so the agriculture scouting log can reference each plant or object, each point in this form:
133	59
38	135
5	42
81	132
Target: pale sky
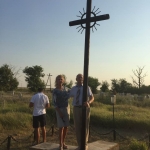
37	32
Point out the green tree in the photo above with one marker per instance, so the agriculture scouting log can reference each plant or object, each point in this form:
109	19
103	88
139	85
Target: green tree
115	85
120	86
8	80
124	86
69	84
33	77
104	86
93	84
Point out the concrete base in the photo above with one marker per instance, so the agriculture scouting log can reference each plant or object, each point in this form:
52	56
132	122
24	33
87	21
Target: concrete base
98	145
103	145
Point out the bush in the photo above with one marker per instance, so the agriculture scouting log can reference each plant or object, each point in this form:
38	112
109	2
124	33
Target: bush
137	145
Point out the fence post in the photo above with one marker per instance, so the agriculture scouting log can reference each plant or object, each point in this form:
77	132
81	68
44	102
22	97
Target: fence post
114	135
8	142
3	103
34	135
149	141
52	129
89	130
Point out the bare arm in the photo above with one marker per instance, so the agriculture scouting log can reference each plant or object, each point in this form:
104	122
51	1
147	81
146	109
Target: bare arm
31	104
91	99
87	103
47	105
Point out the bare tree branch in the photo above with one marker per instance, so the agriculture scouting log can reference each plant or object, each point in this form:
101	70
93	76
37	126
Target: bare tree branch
139	77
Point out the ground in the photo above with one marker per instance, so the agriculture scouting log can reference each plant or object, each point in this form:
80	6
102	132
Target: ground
22	140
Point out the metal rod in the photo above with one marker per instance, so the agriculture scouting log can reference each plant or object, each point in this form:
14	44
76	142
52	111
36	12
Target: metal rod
8	142
114	131
92	19
52	130
50	82
149	140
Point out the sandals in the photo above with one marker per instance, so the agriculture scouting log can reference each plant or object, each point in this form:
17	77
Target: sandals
60	148
65	146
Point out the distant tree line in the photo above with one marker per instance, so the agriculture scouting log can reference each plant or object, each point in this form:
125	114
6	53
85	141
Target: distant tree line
9	81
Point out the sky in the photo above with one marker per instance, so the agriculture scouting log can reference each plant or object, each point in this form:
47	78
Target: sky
37	32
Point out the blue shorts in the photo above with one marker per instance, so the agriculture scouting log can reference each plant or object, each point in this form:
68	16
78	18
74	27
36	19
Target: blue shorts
39	121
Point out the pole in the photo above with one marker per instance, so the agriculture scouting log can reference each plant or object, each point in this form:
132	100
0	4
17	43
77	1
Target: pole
149	141
114	131
52	130
8	143
50	82
86	65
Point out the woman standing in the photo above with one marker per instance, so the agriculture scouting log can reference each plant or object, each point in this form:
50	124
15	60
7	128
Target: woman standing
60	101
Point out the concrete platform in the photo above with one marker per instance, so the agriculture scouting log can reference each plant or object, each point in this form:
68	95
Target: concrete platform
98	145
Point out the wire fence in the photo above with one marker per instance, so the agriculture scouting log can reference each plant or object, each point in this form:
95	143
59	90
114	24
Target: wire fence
53	131
10	141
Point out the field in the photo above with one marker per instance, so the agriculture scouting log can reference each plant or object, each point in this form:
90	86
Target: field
131	121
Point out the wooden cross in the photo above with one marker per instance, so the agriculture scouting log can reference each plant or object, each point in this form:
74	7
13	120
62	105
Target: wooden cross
87	22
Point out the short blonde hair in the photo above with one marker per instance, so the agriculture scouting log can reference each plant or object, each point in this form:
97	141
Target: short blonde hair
59	76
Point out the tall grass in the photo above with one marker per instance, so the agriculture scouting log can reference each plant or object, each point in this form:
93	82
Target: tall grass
137	145
128	113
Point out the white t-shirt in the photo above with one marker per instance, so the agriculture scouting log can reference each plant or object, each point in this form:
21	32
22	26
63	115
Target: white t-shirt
40	100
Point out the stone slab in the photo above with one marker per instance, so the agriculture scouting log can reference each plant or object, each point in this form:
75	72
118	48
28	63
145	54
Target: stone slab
98	145
50	146
103	145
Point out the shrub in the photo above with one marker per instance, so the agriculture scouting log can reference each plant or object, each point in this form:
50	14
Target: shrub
137	145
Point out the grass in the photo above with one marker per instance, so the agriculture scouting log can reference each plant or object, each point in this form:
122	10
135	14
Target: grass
130	115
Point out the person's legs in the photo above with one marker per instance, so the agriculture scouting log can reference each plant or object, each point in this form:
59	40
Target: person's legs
36	128
42	120
37	135
64	135
61	136
44	133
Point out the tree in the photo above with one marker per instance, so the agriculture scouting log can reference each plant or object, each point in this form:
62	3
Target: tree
124	86
93	83
8	80
69	84
33	77
138	73
114	85
104	86
121	85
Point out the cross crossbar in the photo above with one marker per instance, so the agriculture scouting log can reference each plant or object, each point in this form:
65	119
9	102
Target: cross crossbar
92	19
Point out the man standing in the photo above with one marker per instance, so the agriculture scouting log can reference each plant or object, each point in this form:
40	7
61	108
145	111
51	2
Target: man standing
77	94
39	102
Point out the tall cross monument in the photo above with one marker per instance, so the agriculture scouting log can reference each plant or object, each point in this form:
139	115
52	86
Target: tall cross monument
85	23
